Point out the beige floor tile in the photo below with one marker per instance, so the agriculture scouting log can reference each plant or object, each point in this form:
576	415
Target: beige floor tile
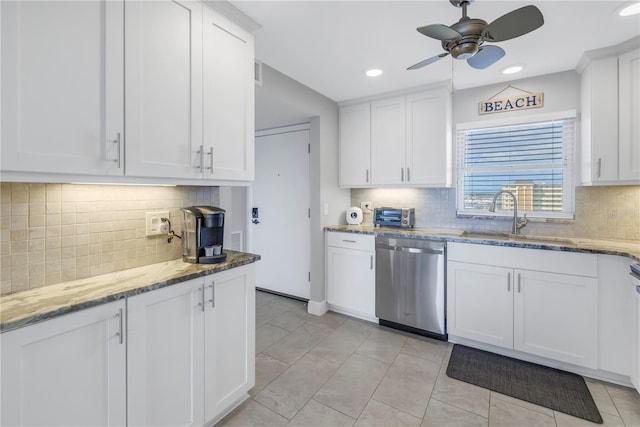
268	311
440	414
294	345
288	393
251	413
627	402
408	383
341	343
267	369
564	420
504	414
290	320
315	414
352	385
266	335
426	348
461	395
328	320
601	397
377	414
382	345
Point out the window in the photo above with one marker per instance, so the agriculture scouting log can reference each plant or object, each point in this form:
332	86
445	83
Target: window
532	160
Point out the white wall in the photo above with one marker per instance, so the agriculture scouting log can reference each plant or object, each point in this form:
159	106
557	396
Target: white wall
322	114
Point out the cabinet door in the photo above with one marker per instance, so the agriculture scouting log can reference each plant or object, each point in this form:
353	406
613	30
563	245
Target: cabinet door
228	85
388	139
355	145
351	280
62	86
229	338
163	97
480	303
428	153
165	356
629	110
69	371
556	316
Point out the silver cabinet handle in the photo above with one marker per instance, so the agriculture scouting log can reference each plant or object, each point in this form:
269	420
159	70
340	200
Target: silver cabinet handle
408	175
201	153
348	241
508	282
120	332
518	282
210	154
599	173
203	298
367	175
213	294
372	262
401	174
118	143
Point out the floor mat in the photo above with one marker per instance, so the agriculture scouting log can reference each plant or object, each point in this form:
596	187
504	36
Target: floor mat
552	388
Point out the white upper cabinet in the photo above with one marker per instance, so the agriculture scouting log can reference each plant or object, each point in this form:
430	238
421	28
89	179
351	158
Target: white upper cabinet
228	99
429	146
355	145
388	136
62	87
163	96
610	99
400	141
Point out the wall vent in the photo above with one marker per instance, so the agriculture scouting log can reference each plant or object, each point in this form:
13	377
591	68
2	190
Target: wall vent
236	241
257	71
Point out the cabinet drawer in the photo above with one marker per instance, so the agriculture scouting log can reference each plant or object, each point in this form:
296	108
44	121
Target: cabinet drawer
363	242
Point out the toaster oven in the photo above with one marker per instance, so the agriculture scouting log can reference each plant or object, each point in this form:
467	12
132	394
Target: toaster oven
394	217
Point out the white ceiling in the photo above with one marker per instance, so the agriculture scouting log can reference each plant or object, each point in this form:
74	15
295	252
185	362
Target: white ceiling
328	45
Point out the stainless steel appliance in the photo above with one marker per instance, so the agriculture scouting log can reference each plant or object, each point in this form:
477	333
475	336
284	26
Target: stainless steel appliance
394	217
202	235
410	285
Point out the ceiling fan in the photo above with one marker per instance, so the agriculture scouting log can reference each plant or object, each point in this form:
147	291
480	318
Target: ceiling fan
465	38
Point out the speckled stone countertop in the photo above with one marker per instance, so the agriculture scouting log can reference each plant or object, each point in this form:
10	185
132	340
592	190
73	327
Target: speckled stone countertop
626	248
34	305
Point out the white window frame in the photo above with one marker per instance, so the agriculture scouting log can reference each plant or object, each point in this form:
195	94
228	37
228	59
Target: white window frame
569	167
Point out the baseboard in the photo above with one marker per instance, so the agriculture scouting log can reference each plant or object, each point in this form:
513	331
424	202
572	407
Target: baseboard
353	313
317	308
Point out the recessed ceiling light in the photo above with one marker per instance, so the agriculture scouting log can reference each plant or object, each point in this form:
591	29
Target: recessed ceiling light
632	9
512	69
374	72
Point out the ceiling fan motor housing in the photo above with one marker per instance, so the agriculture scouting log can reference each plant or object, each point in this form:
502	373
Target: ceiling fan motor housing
469	44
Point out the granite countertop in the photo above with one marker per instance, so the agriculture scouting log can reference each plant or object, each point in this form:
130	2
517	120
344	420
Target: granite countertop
34	305
626	248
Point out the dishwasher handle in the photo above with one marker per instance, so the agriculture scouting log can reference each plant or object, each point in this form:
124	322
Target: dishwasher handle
408	249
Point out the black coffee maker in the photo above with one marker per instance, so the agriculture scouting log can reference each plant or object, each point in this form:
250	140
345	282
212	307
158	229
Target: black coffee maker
202	234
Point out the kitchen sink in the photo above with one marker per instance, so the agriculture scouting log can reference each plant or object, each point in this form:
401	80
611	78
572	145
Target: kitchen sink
496	235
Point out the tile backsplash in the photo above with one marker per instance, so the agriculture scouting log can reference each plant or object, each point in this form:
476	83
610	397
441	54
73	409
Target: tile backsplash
601	212
52	233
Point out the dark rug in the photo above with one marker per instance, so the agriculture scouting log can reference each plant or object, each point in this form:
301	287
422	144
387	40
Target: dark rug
552	388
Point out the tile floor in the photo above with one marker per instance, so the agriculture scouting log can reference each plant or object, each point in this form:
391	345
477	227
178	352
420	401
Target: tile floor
338	371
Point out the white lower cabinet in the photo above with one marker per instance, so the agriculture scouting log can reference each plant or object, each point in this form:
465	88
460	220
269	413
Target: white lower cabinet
191	349
351	274
549	312
70	370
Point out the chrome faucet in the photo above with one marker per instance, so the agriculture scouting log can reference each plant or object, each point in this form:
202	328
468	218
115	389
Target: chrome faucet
517	223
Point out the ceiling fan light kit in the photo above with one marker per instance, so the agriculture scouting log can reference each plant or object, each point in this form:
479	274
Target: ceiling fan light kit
465	38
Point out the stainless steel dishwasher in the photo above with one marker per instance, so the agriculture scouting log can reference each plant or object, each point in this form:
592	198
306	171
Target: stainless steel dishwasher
410	285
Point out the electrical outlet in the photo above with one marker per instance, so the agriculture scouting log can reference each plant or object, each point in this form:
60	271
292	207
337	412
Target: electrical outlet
365	205
155	225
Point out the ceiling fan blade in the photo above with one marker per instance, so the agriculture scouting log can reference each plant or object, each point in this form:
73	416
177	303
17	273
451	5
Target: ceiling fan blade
428	61
439	32
514	24
487	56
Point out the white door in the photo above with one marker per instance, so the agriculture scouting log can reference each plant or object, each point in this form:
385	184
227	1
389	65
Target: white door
388	140
355	145
165	356
351	280
281	195
163	96
62	86
68	371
